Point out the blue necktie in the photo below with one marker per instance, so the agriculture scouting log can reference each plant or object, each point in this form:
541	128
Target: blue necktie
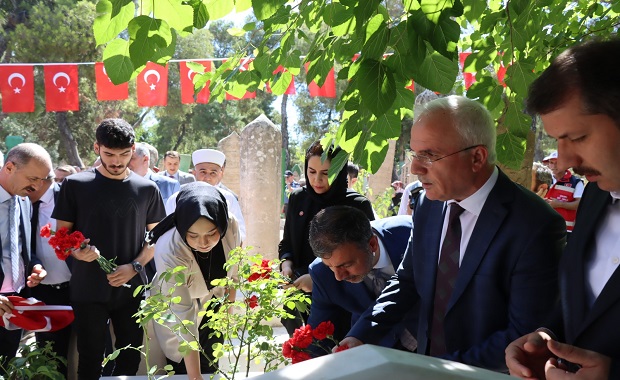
17	268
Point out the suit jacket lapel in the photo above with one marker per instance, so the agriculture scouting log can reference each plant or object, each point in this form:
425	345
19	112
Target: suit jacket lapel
488	224
25	228
572	275
429	231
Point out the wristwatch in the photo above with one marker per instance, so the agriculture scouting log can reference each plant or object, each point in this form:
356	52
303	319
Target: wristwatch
140	270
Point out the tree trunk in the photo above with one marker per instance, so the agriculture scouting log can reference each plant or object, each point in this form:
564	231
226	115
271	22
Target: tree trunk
67	140
287	157
188	118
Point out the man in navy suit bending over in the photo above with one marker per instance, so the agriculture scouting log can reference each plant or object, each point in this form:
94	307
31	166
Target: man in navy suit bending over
355	258
482	262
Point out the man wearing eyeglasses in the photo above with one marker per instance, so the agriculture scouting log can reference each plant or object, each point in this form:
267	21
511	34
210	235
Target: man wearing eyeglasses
28	168
481	264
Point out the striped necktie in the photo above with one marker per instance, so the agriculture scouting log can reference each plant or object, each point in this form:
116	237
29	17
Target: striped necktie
17	267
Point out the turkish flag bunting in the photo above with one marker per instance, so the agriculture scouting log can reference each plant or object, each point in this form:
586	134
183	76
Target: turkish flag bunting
248	95
328	90
152	85
106	90
34	315
468	78
187	84
290	90
17	88
501	74
61	88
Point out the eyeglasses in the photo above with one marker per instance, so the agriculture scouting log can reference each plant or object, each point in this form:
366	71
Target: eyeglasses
427	160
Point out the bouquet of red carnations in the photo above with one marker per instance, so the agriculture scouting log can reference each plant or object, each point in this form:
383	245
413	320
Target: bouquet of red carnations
296	348
64	242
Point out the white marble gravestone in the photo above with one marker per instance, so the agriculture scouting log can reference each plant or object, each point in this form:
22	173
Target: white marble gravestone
370	362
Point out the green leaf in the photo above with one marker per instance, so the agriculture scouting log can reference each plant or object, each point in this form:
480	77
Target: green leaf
242	5
176	14
112	18
236	32
487	91
337	164
220	8
336	14
519	76
147	35
517	122
376	85
117	62
201	15
444	35
377	37
438	73
163	54
263	9
510	150
281	83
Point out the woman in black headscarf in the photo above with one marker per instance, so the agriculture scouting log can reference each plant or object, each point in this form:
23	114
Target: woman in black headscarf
304	203
198	235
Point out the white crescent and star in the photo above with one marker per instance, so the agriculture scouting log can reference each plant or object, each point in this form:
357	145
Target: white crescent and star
17	90
61	75
106	74
148	74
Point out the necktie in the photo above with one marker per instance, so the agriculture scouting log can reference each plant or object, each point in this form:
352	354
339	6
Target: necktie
375	280
17	268
171	176
34	227
447	272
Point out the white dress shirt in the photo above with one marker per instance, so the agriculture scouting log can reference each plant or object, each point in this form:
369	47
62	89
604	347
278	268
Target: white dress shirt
473	207
57	270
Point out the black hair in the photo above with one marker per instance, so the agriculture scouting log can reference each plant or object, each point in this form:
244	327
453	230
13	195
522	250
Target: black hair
115	134
337	225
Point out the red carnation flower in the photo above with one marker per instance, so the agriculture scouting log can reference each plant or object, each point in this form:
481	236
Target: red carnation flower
287	350
323	330
300	356
262	271
302	337
252	302
341	348
46	230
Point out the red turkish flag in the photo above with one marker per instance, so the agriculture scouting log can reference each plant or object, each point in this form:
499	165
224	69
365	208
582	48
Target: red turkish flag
248	95
34	315
328	90
501	74
152	85
187	86
17	88
106	90
468	77
290	90
61	88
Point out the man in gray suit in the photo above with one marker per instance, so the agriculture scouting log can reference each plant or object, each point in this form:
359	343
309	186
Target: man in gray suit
28	168
140	164
172	160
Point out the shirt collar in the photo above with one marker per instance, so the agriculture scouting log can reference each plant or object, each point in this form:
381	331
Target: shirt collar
384	259
4	195
474	203
48	196
615	195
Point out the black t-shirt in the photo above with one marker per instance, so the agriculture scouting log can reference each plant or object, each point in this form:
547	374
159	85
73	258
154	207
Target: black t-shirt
113	214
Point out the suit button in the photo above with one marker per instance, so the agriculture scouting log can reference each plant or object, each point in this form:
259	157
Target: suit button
615	260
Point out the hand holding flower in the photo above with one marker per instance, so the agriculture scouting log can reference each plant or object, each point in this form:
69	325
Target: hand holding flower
86	253
121	275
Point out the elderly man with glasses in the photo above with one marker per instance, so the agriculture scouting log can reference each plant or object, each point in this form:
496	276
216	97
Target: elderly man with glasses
481	264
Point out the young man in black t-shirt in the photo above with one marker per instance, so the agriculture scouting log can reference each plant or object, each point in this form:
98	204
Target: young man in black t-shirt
113	207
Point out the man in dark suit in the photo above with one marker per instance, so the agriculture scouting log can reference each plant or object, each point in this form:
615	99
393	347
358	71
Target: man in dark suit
28	168
355	258
482	262
577	98
140	164
172	160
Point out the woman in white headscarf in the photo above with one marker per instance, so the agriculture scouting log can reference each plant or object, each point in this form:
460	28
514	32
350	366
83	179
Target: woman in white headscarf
198	235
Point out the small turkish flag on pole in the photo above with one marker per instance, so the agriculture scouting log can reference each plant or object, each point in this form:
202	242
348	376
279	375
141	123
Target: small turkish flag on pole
187	84
152	85
106	90
61	88
328	90
468	77
17	88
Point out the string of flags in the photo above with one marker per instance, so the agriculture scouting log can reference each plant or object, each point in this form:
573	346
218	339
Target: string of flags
62	93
